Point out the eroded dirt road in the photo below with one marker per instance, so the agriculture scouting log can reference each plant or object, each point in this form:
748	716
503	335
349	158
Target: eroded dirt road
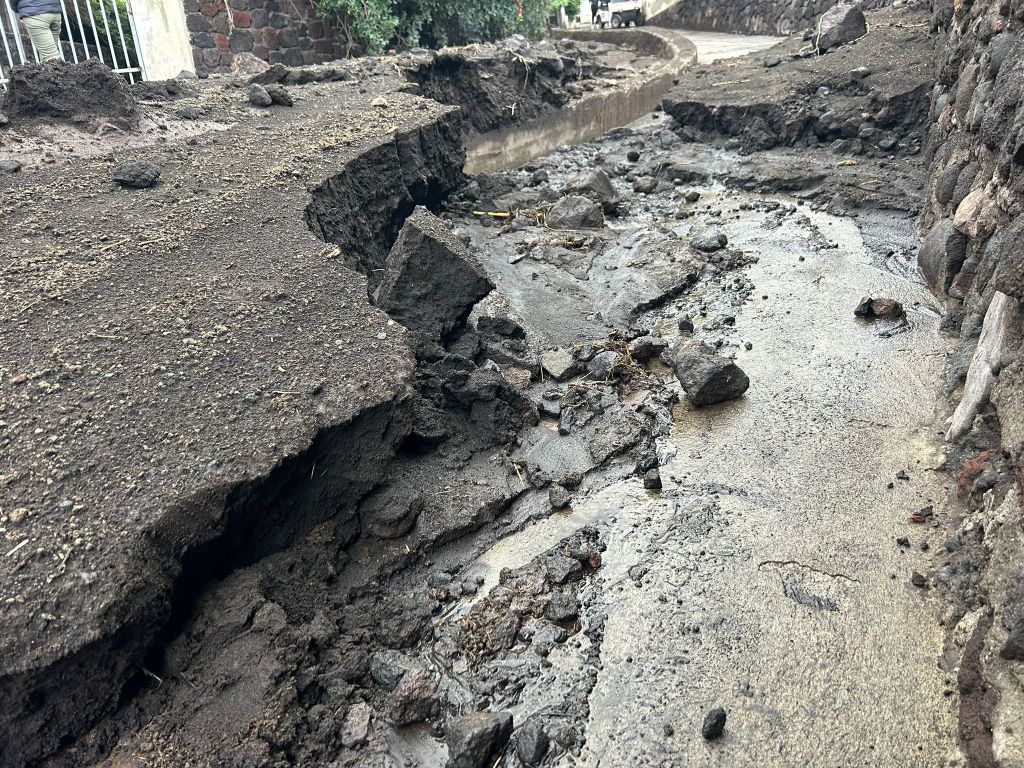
766	577
558	563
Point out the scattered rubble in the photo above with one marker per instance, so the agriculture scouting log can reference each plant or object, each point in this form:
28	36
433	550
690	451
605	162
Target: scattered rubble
476	370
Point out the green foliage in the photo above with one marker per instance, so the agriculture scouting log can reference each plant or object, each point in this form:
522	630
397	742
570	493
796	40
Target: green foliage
572	7
93	27
372	25
367	24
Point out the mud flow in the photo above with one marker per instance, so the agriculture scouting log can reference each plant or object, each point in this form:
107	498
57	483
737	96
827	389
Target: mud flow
629	452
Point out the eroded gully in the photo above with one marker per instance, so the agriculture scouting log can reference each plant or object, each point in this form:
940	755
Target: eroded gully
765	577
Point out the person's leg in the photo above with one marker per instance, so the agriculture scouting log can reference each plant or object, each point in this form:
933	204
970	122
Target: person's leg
55	25
39	29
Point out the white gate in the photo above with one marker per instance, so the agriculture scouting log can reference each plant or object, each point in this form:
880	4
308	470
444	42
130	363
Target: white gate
91	29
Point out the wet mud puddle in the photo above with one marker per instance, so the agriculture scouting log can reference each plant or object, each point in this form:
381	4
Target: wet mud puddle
763	577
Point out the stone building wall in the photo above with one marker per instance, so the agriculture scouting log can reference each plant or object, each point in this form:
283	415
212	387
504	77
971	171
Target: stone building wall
277	31
752	17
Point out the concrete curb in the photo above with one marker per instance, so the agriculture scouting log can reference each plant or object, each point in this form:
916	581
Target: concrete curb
594	114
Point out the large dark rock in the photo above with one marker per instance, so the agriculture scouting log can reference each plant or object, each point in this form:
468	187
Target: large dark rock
942	255
532	743
575	212
1013	649
136	174
413	699
706	376
839	26
596	185
714	724
431	281
84	93
475	739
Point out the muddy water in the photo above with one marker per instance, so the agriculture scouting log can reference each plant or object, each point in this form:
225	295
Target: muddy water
605	110
765	577
712	46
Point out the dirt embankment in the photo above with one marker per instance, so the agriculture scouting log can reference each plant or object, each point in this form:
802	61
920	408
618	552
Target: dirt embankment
869	96
973	233
760	17
514	83
177	361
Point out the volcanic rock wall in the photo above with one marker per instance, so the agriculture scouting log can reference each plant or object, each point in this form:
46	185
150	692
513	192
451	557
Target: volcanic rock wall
973	256
751	17
973	230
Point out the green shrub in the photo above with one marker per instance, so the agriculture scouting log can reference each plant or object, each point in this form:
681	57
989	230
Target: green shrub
372	25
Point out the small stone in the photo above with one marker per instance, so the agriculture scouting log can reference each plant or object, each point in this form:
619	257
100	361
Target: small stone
562	607
559	497
714	724
887	308
380	101
558	363
9	166
18	515
863	309
685	325
136	174
603	365
475	739
692	196
707	377
575	212
709	242
258	96
532	743
1013	649
413	699
571	479
838	26
918	579
279	95
645	185
633	156
668	730
771	61
644	348
859	74
560	569
652	480
355	730
596	185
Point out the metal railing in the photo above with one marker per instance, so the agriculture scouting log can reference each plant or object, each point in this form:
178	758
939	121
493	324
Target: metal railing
92	29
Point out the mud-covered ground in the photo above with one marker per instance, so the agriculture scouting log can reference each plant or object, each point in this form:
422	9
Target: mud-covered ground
560	560
504	83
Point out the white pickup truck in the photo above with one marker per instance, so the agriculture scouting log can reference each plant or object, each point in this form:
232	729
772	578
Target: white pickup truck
619	13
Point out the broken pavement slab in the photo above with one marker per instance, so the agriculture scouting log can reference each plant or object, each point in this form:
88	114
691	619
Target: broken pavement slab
175	361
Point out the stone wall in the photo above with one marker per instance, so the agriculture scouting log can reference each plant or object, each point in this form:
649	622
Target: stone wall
752	17
278	31
973	223
973	257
